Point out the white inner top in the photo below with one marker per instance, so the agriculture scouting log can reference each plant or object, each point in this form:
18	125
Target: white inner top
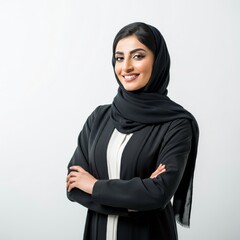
115	149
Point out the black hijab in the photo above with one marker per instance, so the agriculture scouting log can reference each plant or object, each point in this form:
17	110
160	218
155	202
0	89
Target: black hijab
131	111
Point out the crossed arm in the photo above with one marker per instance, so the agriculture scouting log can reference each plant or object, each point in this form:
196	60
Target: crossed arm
83	180
116	196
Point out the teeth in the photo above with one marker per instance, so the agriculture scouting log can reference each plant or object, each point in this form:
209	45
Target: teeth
129	77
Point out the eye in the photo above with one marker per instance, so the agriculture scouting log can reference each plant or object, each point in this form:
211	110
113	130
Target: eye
119	59
138	56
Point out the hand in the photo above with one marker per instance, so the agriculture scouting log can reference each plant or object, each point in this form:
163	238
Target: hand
161	169
79	178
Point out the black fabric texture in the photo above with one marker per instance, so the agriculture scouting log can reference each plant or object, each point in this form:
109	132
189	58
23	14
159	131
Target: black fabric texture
132	111
167	143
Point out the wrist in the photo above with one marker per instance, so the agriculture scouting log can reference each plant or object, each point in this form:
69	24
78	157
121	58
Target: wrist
92	186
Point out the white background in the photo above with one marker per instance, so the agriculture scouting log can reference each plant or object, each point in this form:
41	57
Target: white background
55	68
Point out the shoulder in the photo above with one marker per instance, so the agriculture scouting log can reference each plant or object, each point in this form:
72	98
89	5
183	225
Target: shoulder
102	108
180	122
181	126
99	112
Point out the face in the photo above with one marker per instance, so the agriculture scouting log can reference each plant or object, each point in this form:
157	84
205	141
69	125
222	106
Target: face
134	63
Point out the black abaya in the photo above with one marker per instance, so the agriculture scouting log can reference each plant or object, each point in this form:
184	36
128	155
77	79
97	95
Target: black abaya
163	132
168	143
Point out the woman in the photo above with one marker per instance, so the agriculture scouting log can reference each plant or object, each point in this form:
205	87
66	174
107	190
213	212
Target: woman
136	154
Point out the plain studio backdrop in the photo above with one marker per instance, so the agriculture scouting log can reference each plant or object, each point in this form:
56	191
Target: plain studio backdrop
55	68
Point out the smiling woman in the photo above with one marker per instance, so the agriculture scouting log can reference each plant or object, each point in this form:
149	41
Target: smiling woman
134	63
136	154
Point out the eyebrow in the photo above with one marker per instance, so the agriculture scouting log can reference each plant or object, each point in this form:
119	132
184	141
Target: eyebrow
131	52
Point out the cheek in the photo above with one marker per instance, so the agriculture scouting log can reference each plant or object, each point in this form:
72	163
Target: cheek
142	67
117	69
147	69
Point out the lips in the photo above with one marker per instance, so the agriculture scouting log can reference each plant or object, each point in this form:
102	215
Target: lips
131	77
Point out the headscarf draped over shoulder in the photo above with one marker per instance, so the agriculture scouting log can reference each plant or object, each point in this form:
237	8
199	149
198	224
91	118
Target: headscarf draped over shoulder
133	110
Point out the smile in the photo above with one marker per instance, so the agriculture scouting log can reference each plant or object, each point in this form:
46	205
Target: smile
130	77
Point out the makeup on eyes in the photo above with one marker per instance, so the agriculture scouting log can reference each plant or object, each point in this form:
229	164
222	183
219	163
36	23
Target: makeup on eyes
136	53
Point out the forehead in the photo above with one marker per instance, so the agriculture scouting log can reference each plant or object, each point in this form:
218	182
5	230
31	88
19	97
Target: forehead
129	43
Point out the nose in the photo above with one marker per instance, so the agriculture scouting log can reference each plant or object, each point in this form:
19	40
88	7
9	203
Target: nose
127	66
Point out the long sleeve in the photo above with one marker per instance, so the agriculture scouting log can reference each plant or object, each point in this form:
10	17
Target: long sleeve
148	194
80	158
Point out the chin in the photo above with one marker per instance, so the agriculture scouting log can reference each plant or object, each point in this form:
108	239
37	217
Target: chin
132	88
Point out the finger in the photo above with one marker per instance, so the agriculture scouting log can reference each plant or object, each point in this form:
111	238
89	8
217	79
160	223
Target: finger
71	181
160	167
75	168
72	174
71	186
158	170
157	174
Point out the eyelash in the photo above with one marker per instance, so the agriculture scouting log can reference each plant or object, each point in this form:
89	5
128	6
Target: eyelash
136	56
118	59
